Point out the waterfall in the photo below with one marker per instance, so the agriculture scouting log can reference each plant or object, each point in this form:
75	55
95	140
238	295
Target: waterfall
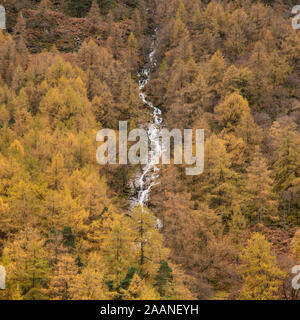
143	183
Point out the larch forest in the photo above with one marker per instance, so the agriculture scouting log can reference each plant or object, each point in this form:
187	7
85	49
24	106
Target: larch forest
68	226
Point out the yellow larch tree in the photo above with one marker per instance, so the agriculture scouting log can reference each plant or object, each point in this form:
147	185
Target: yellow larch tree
259	270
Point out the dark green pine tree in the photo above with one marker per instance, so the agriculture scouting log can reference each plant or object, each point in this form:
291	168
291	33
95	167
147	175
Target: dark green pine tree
164	280
78	8
106	5
69	238
127	280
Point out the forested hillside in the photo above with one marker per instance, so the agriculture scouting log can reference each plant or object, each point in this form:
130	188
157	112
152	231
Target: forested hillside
68	68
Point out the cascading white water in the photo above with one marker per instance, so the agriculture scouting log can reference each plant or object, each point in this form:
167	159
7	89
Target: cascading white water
149	176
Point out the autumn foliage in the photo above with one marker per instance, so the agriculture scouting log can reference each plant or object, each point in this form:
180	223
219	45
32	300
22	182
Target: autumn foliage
69	68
